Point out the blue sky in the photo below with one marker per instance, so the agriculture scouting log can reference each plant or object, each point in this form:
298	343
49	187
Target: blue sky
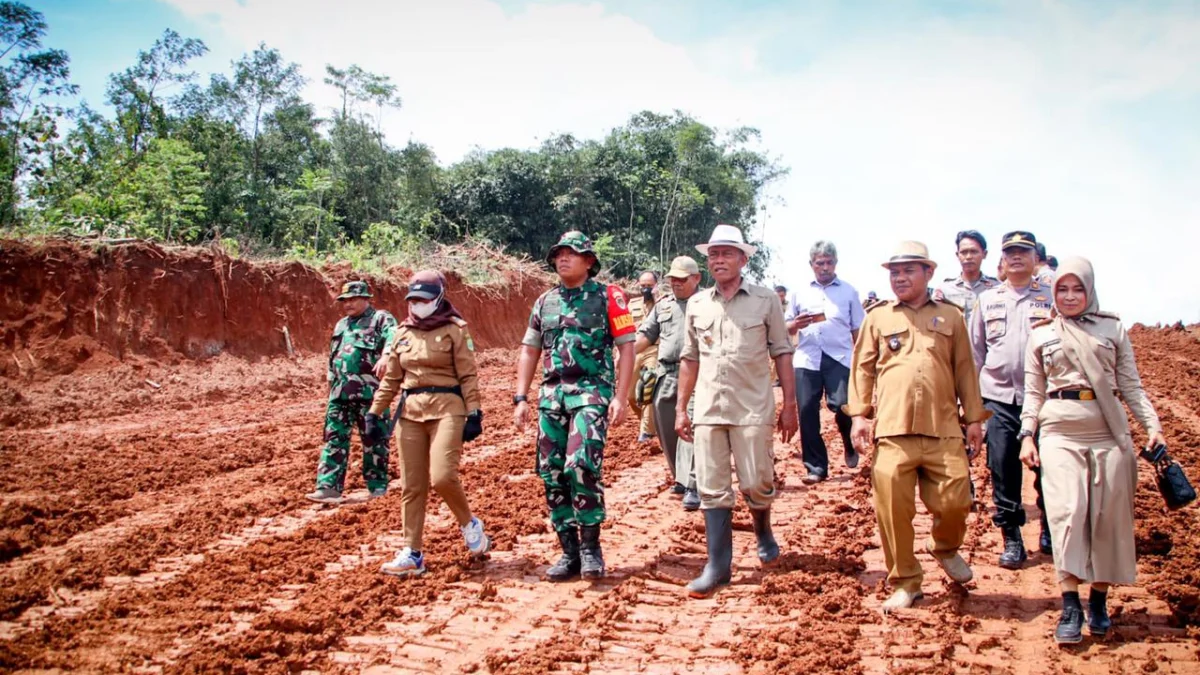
899	119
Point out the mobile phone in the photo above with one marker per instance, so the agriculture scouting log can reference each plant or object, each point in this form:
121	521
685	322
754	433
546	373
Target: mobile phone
1154	455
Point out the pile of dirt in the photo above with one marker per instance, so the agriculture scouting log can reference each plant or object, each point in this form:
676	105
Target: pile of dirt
65	304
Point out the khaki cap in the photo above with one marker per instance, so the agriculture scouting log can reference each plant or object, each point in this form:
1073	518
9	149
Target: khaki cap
683	267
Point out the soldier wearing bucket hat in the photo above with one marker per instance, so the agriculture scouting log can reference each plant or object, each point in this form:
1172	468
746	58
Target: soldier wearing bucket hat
733	331
356	348
913	357
573	328
1000	327
664	326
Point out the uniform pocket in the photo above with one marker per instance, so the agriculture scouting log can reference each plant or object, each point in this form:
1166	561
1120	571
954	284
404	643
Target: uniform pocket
752	333
893	341
996	323
706	335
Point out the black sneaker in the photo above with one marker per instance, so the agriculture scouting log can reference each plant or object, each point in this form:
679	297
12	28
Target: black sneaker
1070	627
1014	549
678	489
1098	619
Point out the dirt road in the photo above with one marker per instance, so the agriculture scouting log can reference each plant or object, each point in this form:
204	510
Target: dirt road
152	522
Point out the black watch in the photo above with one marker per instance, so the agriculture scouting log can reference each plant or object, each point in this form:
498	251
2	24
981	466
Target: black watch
519	398
1025	433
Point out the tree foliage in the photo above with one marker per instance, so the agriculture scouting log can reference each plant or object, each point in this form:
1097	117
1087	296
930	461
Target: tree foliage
245	157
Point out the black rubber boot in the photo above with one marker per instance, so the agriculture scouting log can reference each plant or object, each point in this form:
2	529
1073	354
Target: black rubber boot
1014	549
1070	625
1044	543
768	550
1098	621
718	530
567	566
590	557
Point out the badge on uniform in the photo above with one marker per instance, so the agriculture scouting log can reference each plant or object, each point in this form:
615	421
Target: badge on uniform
1041	298
935	322
894	343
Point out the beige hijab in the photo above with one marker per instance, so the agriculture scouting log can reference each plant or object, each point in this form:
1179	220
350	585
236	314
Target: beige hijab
1081	342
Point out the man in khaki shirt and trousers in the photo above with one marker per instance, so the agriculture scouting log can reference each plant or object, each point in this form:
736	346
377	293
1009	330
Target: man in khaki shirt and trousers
913	356
733	331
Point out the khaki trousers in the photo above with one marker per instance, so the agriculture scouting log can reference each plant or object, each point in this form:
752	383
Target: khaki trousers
1089	484
429	454
753	459
938	467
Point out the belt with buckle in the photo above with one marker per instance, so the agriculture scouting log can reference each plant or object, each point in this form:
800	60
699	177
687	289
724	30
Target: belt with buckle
1074	395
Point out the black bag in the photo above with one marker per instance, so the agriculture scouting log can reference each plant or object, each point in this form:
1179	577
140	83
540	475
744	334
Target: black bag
1172	482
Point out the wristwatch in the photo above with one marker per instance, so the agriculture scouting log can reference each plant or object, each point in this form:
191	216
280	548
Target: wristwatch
1024	433
519	398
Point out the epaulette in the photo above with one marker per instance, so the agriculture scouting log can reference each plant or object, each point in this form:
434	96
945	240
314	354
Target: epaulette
950	279
877	305
946	302
459	321
1043	322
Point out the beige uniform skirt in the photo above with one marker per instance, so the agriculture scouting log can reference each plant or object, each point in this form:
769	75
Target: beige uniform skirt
1089	484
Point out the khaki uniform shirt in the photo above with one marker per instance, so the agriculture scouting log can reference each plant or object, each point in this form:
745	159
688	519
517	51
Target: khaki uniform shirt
735	341
999	329
648	357
663	327
442	357
1047	369
963	294
917	364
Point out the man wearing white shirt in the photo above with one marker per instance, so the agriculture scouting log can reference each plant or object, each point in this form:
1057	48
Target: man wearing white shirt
825	316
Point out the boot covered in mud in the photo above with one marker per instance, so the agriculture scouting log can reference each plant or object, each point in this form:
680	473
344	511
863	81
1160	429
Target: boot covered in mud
591	558
718	529
768	550
1014	549
567	566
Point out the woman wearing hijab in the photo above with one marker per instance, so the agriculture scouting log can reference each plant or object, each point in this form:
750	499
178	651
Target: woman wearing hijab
431	369
1076	364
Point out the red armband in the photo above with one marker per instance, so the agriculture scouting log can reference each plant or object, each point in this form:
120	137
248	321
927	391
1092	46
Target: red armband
620	321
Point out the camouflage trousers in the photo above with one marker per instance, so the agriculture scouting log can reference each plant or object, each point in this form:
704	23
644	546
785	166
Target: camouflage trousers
340	418
570	455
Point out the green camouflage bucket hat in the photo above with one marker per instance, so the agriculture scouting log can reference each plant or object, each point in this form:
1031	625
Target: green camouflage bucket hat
355	289
578	242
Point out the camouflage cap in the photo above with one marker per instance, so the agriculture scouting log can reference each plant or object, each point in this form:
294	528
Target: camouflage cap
578	242
355	289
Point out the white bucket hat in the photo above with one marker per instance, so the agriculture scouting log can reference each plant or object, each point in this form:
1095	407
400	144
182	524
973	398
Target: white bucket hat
727	235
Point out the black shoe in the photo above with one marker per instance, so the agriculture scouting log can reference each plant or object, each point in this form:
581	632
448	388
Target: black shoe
1014	549
691	500
567	566
851	458
1098	620
768	550
678	489
1070	627
718	531
1044	543
591	559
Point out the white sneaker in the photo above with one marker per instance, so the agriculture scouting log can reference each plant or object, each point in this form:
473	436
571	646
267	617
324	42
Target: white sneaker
477	542
901	599
405	564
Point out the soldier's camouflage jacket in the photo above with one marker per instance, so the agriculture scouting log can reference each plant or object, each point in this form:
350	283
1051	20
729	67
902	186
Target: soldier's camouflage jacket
356	347
576	328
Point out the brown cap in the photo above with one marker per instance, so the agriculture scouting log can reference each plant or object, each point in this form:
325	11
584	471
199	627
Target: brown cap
683	267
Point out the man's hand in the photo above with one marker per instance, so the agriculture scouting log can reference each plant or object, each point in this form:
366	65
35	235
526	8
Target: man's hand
617	412
683	425
789	422
1029	453
801	322
974	439
381	368
860	433
1156	440
521	416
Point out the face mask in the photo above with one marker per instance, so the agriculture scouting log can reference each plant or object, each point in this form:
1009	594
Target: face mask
648	294
425	309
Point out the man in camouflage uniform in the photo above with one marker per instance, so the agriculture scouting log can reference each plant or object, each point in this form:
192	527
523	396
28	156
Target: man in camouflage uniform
646	367
357	345
573	328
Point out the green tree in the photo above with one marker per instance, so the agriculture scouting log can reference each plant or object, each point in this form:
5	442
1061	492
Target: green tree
169	189
31	80
136	92
309	201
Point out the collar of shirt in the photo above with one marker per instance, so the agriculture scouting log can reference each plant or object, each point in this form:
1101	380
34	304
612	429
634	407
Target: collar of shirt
816	284
715	292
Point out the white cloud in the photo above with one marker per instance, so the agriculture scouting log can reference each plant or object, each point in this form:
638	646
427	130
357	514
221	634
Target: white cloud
912	134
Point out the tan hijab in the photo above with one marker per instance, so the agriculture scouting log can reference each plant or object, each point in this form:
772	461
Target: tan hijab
1081	343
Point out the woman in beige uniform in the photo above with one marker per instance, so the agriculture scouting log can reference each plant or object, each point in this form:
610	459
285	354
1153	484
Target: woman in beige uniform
431	366
1075	365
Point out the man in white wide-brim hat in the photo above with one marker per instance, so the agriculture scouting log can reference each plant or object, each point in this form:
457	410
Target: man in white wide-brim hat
732	332
914	359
